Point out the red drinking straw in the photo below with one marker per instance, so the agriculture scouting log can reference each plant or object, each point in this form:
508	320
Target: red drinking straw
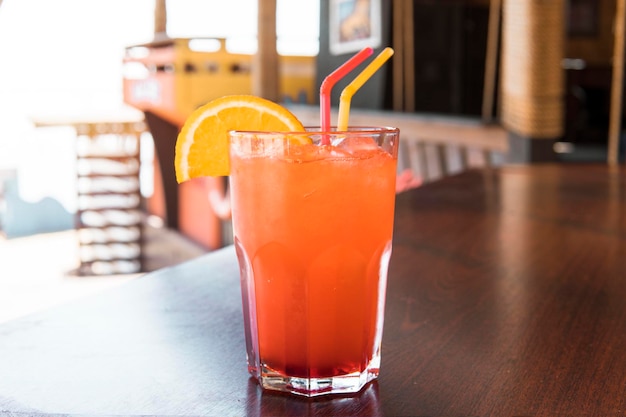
330	81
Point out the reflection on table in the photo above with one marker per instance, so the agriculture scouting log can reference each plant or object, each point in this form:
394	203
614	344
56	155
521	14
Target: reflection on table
506	297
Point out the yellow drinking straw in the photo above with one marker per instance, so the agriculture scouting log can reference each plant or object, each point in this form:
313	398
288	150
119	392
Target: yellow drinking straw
353	87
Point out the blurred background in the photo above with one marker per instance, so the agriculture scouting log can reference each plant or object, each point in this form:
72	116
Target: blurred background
110	81
62	61
65	58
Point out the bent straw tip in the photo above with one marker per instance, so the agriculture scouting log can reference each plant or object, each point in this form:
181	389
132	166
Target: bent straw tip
359	80
348	91
387	52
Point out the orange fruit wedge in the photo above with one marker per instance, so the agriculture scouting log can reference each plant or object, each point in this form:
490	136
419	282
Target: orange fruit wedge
202	146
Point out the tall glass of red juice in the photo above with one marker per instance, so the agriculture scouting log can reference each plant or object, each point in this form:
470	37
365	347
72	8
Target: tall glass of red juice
313	228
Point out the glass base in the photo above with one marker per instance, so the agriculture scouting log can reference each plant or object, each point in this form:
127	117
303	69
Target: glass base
313	387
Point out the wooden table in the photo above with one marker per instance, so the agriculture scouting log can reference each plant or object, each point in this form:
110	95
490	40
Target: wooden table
506	297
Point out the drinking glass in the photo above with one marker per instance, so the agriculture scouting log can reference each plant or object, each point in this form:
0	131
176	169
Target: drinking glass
313	228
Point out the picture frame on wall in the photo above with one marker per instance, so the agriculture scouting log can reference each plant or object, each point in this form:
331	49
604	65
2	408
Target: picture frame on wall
354	25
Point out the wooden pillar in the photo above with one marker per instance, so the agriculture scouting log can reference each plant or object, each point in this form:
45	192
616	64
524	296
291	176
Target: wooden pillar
617	84
409	56
160	18
532	81
398	62
265	69
491	60
404	57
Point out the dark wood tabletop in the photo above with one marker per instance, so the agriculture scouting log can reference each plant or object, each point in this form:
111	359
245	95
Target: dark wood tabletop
506	297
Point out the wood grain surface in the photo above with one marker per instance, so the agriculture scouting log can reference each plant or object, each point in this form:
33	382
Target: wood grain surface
506	297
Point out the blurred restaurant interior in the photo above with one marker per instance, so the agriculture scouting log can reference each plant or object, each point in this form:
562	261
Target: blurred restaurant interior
92	101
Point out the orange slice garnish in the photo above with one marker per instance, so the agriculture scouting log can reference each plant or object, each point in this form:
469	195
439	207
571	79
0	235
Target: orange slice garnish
202	147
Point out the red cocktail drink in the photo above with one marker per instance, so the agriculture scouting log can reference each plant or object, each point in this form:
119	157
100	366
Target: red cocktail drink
313	227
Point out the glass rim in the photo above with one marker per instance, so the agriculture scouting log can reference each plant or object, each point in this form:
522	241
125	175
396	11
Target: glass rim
316	130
